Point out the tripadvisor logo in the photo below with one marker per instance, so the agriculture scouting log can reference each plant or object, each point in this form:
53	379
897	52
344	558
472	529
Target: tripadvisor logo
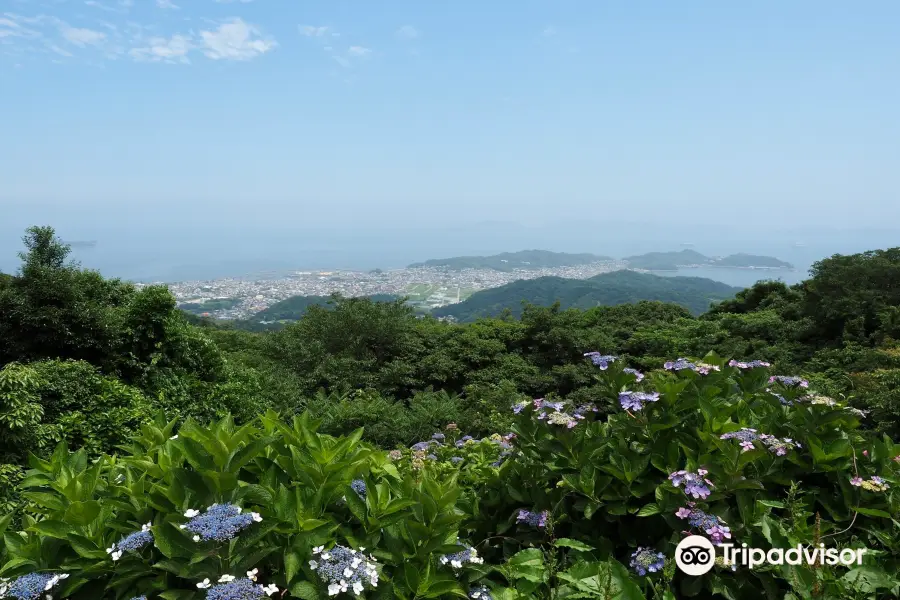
696	555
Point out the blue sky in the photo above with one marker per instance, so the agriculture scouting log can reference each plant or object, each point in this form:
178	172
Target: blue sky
272	113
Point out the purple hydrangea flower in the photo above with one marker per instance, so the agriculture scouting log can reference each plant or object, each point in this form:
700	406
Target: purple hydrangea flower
456	460
789	381
679	365
779	446
418	446
519	407
220	522
638	376
646	560
635	400
534	519
694	483
431	457
753	364
462	441
601	360
438	437
712	525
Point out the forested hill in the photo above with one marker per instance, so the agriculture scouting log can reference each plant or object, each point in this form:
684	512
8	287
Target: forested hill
289	309
671	261
508	261
608	289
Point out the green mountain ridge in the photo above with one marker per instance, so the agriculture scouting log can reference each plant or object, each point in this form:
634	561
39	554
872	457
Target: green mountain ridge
672	261
508	261
607	289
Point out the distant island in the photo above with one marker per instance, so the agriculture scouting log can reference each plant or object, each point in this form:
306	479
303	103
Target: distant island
509	261
619	287
672	261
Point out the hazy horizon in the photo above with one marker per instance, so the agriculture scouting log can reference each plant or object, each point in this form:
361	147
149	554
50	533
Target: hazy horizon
232	136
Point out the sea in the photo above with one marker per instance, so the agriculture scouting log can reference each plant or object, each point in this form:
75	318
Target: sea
161	254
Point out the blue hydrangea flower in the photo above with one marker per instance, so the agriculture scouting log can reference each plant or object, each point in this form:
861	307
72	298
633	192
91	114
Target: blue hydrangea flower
694	483
139	598
458	559
438	437
231	588
344	569
635	400
480	592
133	542
359	486
534	519
456	460
779	446
419	446
646	560
601	360
220	522
32	586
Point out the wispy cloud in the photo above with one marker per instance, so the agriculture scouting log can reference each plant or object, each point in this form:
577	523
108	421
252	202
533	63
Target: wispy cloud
358	51
235	40
81	36
313	31
160	49
167	4
549	31
408	31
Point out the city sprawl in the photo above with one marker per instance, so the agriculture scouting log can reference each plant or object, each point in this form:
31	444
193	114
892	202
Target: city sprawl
427	287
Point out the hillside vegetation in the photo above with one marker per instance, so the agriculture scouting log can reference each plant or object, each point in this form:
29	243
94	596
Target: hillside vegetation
696	294
508	261
560	454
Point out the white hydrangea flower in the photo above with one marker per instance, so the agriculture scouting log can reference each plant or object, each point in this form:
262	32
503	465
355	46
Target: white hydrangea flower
191	513
204	584
251	575
270	589
226	578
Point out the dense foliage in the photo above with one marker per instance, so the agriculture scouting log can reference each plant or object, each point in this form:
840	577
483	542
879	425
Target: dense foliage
316	432
607	289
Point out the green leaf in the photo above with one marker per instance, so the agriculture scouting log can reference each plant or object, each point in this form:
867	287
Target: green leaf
305	590
872	512
648	510
177	595
292	562
172	542
574	544
57	529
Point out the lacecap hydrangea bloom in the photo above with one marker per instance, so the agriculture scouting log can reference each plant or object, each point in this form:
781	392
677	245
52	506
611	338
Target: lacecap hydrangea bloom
679	365
635	400
34	586
601	360
139	598
646	560
458	559
230	587
220	522
753	364
873	484
789	381
480	592
534	519
711	525
344	569
637	374
132	542
695	484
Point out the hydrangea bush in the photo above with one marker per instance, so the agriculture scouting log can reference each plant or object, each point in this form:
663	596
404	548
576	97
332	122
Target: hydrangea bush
571	503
